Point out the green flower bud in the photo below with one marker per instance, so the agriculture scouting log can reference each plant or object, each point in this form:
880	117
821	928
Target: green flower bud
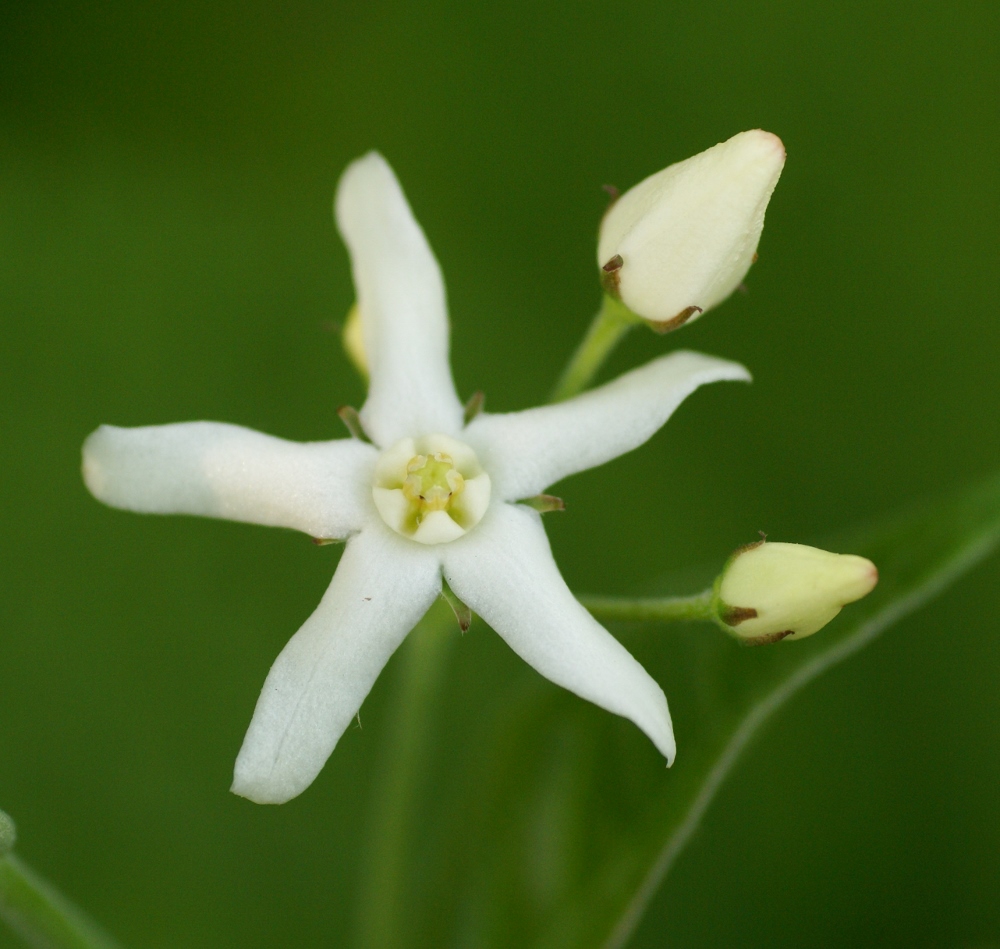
769	592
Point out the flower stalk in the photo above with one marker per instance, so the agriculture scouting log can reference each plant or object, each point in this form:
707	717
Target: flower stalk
384	878
653	609
35	910
612	322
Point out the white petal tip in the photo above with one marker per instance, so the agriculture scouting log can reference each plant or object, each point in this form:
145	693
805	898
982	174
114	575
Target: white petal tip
260	778
371	163
666	745
93	468
369	173
264	791
740	374
711	368
767	143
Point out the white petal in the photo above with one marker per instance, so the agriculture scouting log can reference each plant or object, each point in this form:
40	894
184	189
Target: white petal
381	589
504	571
402	303
219	470
525	452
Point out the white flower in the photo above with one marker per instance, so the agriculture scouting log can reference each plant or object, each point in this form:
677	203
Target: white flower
777	591
430	496
681	241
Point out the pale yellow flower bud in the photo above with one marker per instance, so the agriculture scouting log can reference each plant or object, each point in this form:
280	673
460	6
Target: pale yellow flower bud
681	241
775	591
354	341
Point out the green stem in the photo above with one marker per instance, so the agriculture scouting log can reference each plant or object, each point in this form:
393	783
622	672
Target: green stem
656	609
383	883
612	322
41	915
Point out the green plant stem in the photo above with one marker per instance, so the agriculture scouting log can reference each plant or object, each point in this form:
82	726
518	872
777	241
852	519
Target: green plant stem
41	915
383	882
654	609
612	322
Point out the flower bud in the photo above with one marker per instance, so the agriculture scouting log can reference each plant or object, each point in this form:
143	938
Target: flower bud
354	341
681	241
771	591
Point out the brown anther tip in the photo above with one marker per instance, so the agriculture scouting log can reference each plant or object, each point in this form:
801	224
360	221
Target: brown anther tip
352	421
614	264
769	638
756	257
324	541
612	190
735	615
667	326
753	545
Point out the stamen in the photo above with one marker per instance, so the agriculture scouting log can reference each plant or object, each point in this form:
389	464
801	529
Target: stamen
431	483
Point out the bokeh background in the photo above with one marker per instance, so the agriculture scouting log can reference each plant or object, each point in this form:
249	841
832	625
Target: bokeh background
167	253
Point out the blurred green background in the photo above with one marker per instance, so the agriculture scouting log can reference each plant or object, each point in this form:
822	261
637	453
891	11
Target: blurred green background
167	253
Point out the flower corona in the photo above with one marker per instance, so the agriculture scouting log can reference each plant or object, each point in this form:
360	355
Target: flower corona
430	489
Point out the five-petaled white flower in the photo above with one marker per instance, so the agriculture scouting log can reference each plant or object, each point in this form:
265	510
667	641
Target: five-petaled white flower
430	496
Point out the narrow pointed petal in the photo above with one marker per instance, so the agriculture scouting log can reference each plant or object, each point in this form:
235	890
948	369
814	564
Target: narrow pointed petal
381	589
218	470
505	572
526	452
402	304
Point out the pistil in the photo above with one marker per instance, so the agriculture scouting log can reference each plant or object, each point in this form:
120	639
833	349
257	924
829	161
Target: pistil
432	481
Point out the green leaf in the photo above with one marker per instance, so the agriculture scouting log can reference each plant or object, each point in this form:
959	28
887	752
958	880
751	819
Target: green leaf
555	827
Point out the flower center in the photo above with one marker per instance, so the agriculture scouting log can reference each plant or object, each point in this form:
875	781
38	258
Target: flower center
430	489
432	482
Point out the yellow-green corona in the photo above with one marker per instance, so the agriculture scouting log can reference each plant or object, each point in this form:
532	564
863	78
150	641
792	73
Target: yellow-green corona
430	489
773	591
